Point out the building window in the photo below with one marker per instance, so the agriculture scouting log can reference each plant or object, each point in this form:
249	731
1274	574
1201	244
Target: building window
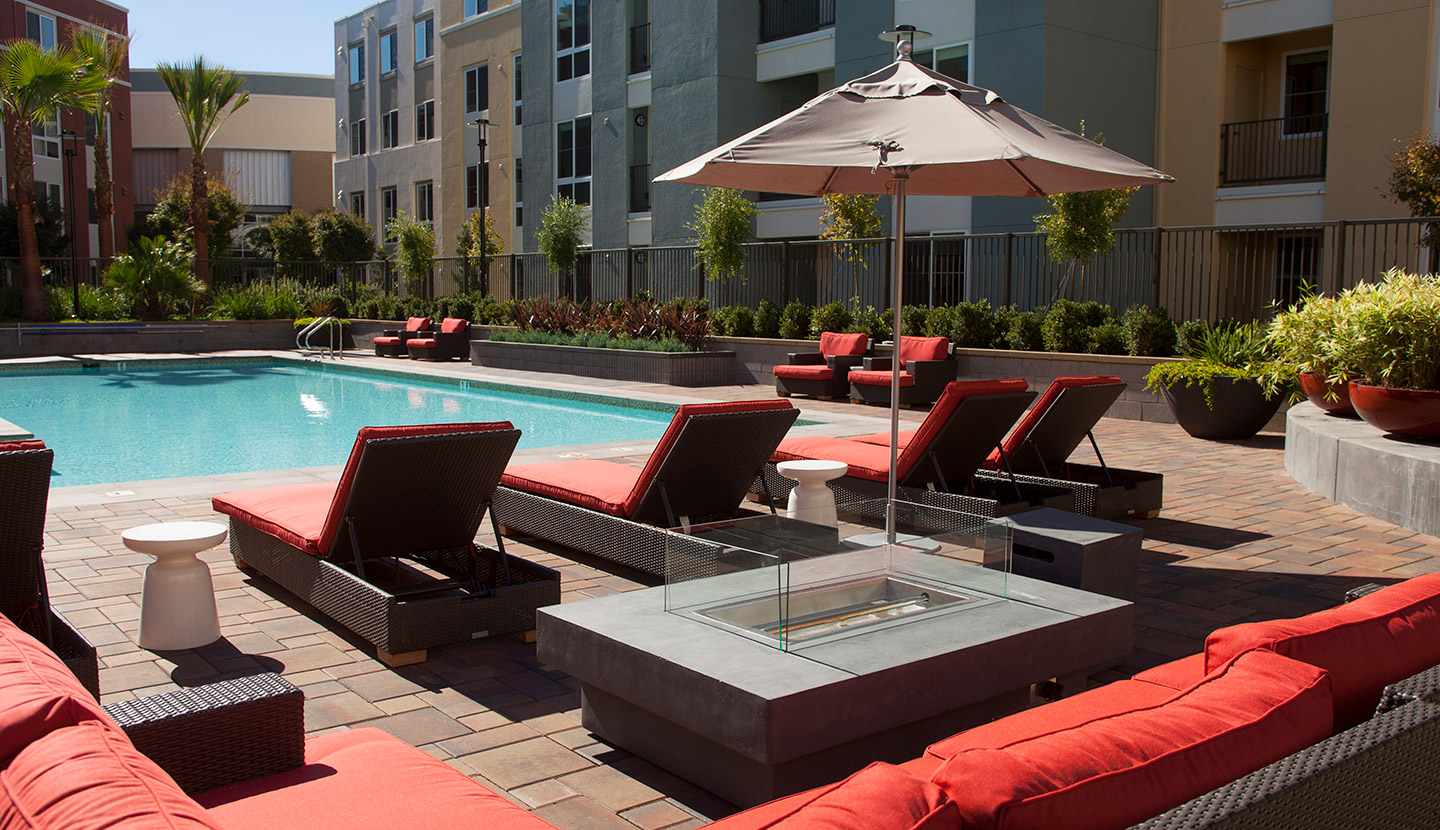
953	61
1307	82
390	130
357	204
424	39
472	187
519	195
572	39
47	137
477	88
40	28
357	64
357	138
474	7
425	121
572	159
519	88
389	209
425	201
389	52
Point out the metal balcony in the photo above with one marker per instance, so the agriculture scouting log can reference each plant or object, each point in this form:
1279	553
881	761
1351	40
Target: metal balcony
1273	150
639	49
640	188
786	18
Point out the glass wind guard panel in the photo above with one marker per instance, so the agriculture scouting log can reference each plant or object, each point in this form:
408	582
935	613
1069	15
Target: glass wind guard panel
795	581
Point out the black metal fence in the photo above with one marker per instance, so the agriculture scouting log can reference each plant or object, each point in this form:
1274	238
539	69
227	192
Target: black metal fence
787	18
1209	273
640	48
1274	150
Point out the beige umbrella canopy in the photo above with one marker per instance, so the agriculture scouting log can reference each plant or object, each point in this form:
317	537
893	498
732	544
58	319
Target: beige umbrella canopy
908	127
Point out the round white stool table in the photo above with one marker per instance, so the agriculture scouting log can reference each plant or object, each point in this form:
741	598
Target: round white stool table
811	499
177	604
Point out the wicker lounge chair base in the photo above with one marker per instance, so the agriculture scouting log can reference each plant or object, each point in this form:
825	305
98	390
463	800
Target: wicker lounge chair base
1123	493
989	498
403	628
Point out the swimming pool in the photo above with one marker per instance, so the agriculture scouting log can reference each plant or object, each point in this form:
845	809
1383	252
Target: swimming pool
150	421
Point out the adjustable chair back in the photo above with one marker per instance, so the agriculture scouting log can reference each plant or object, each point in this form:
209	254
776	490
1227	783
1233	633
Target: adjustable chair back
965	425
708	458
24	491
1059	421
409	489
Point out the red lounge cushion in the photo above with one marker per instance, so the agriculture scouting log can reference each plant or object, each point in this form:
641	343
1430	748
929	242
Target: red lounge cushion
417	324
364	779
38	695
452	325
833	343
883	438
387	341
1022	430
28	444
866	461
296	524
879	797
1365	645
878	377
923	348
90	777
1182	673
803	372
598	485
1118	769
421	343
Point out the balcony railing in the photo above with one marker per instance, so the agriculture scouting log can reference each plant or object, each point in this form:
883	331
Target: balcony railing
787	18
640	188
640	48
1273	150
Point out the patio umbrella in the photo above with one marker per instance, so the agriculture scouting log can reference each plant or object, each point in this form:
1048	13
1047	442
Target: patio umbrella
908	128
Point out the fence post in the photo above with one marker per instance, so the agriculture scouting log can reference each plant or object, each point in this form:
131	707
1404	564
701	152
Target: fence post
930	267
1341	229
629	272
1155	269
1006	268
784	272
701	269
889	271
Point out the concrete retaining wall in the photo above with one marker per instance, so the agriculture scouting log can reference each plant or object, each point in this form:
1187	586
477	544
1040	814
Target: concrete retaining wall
673	368
48	339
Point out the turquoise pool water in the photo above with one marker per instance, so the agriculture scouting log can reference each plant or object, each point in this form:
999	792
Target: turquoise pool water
148	422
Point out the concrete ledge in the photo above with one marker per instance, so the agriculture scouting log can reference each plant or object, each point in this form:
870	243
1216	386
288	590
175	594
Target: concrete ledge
673	368
1359	466
50	339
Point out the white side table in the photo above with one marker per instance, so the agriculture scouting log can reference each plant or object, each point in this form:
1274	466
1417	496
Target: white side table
177	604
811	499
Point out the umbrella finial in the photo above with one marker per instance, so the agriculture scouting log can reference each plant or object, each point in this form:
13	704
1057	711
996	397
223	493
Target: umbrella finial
904	37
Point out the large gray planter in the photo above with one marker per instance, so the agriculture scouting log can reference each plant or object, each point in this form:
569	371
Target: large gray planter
673	368
45	339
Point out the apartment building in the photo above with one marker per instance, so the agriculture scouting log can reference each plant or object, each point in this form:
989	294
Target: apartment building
277	151
64	146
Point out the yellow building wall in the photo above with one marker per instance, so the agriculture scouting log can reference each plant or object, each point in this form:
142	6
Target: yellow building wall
267	122
1189	110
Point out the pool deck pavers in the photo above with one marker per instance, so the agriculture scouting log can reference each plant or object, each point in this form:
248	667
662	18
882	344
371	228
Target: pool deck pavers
1237	540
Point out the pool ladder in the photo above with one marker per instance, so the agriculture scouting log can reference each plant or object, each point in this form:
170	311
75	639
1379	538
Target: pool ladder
332	328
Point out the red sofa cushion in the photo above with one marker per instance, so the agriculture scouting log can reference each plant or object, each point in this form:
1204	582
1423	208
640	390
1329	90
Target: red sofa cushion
598	485
923	348
38	695
803	372
1118	769
420	343
1182	673
879	797
417	324
387	341
27	444
90	777
834	343
1022	430
1365	645
364	779
878	377
298	514
453	325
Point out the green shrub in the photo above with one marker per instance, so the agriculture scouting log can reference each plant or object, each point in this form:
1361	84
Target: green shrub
1188	334
974	326
10	303
302	322
767	319
871	322
1004	319
1066	327
940	322
1148	331
238	303
795	321
742	322
156	277
1108	338
1388	333
1027	331
829	317
491	312
912	320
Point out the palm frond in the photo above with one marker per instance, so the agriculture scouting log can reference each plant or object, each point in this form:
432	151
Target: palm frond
205	96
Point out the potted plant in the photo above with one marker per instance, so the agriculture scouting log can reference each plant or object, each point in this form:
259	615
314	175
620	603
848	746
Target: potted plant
1387	343
1230	385
1303	336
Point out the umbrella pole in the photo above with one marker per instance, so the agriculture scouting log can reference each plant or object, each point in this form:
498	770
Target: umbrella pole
901	175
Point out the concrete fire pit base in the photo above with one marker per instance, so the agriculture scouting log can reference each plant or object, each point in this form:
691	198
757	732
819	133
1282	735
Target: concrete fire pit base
750	722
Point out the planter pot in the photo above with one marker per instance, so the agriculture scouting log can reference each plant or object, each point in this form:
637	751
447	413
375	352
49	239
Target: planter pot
1414	413
1318	391
1241	409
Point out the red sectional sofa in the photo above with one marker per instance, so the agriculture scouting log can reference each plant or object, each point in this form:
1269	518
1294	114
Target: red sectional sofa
826	373
1107	758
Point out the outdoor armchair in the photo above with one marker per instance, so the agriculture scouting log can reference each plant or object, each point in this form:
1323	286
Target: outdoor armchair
824	374
926	366
451	341
392	342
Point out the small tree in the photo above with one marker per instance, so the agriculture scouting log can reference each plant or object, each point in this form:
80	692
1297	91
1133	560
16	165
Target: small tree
561	232
846	217
722	223
290	238
1082	225
155	277
479	241
1415	183
342	236
171	217
107	56
50	224
414	250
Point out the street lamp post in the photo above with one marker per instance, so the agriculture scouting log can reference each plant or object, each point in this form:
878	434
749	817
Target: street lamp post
484	126
69	139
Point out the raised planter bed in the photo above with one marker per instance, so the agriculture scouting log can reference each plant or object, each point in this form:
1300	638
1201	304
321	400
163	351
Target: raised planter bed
715	368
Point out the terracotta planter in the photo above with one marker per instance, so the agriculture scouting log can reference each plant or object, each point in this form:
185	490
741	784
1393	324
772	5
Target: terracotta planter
1414	413
1317	389
1240	411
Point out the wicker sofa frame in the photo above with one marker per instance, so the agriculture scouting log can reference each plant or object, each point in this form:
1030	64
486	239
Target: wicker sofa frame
404	572
931	377
447	345
703	477
392	342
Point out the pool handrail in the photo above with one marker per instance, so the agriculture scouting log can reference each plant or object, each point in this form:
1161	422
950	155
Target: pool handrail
302	340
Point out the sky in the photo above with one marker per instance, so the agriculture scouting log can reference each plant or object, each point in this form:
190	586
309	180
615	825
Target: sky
293	36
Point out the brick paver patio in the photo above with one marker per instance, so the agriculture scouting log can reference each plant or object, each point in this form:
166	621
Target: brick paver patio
1237	540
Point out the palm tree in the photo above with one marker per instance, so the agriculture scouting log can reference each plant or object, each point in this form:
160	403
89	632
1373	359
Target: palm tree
106	54
205	95
36	84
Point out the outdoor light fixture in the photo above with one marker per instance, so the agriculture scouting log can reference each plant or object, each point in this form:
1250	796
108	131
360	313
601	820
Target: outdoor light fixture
904	37
68	138
483	125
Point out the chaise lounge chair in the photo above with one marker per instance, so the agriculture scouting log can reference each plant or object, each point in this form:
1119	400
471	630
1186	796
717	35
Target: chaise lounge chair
392	342
937	467
824	374
367	551
450	342
699	472
926	365
1038	448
